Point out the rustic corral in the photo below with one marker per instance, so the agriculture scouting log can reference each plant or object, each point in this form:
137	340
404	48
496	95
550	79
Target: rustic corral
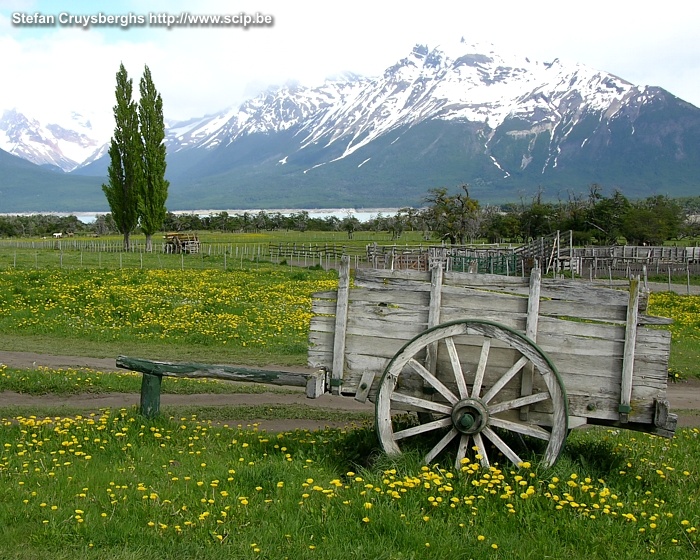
181	243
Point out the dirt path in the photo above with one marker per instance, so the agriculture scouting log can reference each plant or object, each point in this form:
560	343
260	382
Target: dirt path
125	400
684	397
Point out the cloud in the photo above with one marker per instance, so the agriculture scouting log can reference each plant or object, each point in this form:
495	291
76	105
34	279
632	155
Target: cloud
201	70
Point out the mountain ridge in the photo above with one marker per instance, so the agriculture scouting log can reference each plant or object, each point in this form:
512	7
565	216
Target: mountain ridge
438	117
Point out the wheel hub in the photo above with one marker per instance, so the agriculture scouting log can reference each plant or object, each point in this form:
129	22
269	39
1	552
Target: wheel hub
470	416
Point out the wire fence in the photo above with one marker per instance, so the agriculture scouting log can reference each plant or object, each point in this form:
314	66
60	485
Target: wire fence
600	264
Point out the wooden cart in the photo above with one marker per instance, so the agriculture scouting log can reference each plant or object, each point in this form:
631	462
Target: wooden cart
475	358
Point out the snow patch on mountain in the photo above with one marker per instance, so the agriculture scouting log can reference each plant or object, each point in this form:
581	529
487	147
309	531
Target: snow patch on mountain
457	81
64	145
452	82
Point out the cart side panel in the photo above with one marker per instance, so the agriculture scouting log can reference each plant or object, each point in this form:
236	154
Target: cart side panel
581	327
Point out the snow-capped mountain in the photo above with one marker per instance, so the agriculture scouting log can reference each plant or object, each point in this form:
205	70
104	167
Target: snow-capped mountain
64	146
461	113
468	83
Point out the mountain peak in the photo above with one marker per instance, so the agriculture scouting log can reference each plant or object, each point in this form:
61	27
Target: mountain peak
442	115
54	145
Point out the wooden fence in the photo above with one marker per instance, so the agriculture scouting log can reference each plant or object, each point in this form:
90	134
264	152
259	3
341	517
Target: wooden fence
589	263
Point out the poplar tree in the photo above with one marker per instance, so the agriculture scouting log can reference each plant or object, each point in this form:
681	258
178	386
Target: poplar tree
154	187
125	171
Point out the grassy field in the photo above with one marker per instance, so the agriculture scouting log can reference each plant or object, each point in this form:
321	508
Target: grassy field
111	485
114	486
256	314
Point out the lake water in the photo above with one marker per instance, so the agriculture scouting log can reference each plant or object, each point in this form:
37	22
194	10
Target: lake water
363	215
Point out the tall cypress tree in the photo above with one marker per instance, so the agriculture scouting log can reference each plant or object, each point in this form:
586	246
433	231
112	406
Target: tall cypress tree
125	170
154	188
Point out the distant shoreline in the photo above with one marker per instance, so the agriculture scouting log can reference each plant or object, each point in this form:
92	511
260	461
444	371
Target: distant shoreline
362	214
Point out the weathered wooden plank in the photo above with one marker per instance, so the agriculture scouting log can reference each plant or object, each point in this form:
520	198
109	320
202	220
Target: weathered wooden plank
324	307
628	356
364	386
419	314
434	313
591	311
341	321
583	292
474	301
557	326
195	370
533	312
388	296
485	280
331	294
478	300
653	320
380	274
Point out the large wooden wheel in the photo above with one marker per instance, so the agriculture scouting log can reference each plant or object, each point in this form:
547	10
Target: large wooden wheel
467	400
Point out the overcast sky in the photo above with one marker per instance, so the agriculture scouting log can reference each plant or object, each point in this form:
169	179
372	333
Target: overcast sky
49	70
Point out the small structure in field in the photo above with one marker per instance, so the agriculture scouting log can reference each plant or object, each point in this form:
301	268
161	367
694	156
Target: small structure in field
181	243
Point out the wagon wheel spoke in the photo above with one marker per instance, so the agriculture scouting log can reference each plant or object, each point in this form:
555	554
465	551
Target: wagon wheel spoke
521	428
503	381
462	450
481	451
517	403
435	451
422	404
433	381
502	446
423	428
457	368
481	368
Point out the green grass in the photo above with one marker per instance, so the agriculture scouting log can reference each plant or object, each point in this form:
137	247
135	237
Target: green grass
109	484
216	414
685	331
253	312
114	485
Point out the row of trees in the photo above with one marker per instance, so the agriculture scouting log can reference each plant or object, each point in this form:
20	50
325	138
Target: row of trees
137	189
455	218
594	219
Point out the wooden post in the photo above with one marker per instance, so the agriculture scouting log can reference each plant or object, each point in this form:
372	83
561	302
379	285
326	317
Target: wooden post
434	312
533	314
150	395
628	352
341	324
